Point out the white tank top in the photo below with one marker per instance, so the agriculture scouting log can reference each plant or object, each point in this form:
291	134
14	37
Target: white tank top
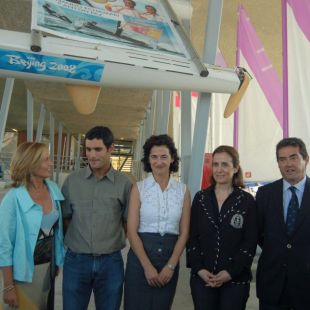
160	211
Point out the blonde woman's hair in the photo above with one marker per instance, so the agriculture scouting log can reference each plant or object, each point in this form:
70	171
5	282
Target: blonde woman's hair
25	161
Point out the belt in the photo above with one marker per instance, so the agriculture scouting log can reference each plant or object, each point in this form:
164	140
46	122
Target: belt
88	254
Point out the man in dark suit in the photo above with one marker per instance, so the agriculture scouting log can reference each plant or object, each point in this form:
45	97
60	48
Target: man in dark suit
283	272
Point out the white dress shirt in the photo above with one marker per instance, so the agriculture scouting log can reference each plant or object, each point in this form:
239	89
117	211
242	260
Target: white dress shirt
287	194
160	211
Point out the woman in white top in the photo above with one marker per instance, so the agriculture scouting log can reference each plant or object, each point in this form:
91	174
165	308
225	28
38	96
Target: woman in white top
157	228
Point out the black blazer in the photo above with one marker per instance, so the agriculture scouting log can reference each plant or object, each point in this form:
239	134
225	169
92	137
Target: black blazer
225	240
284	259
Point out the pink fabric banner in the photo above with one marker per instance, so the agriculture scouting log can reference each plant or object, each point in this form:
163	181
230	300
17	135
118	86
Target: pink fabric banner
301	9
253	50
296	61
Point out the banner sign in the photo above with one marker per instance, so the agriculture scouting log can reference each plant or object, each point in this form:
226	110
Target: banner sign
50	66
141	24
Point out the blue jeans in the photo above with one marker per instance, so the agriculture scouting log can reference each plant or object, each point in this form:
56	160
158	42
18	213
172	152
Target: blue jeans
84	273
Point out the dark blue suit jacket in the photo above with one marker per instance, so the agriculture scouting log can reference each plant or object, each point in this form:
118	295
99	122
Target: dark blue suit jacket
284	260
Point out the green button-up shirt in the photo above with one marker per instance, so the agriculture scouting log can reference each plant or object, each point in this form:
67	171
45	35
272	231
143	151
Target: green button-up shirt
97	210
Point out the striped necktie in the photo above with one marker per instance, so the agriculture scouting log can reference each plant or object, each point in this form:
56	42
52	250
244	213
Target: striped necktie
292	212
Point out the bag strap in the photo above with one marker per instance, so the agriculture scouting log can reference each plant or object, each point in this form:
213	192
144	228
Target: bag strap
43	235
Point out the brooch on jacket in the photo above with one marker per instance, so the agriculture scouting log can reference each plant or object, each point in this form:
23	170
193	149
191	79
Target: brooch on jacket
237	221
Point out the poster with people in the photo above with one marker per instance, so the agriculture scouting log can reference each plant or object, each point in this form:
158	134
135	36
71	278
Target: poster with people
122	23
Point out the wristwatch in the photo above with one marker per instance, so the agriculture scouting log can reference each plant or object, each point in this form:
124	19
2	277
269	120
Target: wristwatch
170	266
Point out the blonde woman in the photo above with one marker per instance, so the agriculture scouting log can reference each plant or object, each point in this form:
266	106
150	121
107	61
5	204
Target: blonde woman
31	240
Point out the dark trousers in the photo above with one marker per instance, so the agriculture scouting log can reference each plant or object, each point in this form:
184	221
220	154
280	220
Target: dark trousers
263	306
288	301
227	297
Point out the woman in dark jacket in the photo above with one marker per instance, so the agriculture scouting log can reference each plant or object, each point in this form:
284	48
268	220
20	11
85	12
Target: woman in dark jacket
223	237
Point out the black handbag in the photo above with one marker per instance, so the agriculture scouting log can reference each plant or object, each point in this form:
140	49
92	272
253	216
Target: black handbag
43	252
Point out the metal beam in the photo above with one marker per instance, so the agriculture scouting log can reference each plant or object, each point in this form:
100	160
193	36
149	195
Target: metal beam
204	100
5	105
59	150
158	110
40	123
78	152
166	95
186	134
67	153
148	129
29	116
139	151
186	122
52	139
119	66
152	114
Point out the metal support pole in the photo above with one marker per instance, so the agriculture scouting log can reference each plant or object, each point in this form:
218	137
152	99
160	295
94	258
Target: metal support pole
67	153
186	135
40	123
152	114
186	41
4	110
166	95
139	151
158	110
59	151
142	173
137	158
148	121
78	153
204	101
52	140
186	123
29	116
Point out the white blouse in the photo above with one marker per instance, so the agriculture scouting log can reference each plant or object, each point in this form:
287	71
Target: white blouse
160	211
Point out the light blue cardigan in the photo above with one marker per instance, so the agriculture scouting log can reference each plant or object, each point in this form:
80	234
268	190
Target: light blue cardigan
20	221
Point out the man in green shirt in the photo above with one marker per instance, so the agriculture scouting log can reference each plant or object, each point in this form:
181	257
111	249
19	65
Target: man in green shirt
96	198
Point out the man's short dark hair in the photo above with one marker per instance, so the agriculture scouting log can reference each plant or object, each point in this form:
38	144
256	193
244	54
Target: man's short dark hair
160	140
295	142
101	133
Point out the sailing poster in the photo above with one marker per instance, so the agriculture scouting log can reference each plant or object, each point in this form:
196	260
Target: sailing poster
122	23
